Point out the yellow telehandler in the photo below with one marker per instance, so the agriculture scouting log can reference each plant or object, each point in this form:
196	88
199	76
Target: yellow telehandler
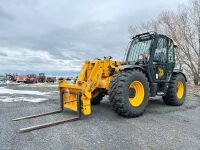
148	70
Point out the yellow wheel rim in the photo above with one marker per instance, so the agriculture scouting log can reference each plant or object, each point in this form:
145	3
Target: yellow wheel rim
139	93
180	89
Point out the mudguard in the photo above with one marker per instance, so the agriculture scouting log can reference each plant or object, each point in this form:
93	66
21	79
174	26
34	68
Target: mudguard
179	71
126	67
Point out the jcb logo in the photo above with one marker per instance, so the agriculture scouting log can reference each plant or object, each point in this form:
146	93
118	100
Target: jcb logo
160	72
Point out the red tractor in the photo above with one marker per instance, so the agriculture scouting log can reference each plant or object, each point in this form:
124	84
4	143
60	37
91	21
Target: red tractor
31	78
20	78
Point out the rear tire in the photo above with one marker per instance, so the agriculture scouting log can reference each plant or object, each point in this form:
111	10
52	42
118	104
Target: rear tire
119	93
173	96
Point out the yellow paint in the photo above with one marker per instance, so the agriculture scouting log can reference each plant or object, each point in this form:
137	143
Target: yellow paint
160	72
139	93
180	89
94	75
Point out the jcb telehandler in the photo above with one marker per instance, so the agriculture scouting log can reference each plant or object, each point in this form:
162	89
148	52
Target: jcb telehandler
148	70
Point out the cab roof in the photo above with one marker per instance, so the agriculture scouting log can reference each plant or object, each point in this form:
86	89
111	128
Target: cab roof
149	34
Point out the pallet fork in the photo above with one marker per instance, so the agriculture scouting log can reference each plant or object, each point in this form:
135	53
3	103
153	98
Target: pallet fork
34	127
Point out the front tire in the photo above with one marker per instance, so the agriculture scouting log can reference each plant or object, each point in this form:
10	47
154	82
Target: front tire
129	93
176	92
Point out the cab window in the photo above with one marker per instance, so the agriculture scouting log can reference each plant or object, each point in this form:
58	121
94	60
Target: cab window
171	58
161	51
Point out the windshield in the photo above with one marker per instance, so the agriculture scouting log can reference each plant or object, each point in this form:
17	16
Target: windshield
137	48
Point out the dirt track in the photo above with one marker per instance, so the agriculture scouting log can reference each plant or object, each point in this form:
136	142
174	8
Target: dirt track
161	127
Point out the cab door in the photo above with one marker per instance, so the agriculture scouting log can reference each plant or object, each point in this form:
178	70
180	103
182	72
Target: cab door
160	59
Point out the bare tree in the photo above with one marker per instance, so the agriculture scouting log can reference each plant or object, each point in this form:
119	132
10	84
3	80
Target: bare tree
143	27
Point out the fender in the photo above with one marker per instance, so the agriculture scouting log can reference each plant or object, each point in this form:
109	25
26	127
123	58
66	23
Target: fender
130	67
127	67
179	71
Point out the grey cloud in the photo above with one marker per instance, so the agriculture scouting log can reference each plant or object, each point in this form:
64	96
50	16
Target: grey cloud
5	15
73	31
3	54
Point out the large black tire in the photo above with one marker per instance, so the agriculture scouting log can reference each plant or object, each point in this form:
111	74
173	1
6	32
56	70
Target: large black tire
96	100
171	97
119	93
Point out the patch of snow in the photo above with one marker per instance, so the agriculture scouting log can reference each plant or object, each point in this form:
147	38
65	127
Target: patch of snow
53	85
4	90
39	85
22	99
7	82
12	82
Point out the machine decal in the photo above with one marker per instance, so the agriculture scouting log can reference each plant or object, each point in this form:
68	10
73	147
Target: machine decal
161	72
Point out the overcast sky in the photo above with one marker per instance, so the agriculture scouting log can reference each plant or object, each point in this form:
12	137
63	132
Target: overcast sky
58	35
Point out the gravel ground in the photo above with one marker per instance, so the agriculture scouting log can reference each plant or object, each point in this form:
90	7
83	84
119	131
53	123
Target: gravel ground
161	126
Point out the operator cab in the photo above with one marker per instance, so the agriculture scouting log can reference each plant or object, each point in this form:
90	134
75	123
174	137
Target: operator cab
155	53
